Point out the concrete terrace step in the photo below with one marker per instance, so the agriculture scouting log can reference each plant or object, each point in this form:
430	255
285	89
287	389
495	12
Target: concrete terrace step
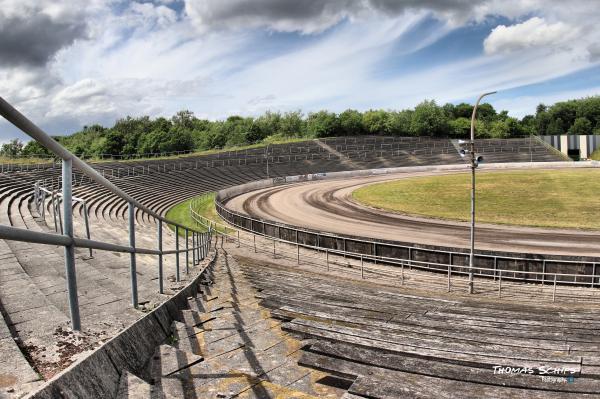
386	341
227	346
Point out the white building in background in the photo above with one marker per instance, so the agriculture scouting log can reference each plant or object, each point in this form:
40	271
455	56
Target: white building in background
574	146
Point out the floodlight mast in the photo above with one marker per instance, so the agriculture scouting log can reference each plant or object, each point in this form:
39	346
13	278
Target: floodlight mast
474	163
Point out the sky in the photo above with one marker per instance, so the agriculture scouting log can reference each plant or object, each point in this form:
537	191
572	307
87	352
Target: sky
67	64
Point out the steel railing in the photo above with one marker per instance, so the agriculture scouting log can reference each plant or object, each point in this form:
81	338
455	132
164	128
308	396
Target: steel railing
370	264
66	238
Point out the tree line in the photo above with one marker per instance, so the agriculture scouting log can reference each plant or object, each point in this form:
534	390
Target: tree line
184	132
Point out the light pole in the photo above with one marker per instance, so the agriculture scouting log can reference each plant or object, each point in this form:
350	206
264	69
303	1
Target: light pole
474	163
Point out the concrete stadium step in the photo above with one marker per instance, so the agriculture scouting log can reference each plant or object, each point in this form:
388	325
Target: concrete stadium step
16	374
378	382
453	340
365	358
224	351
33	319
133	387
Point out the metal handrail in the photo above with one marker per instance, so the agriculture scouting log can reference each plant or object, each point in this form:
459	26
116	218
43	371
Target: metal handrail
387	259
498	274
67	238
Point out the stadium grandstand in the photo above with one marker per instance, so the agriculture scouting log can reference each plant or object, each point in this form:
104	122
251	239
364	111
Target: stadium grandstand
166	310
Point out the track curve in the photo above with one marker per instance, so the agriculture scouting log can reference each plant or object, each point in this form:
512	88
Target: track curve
327	206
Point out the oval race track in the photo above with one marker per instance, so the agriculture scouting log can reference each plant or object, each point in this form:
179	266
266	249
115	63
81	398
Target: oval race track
327	206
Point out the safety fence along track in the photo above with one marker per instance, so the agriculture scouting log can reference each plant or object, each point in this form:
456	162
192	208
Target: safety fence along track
499	267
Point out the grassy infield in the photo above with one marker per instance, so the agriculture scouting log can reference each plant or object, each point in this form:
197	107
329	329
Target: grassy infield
542	198
204	205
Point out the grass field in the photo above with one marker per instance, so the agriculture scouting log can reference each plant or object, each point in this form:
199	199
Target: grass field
204	205
541	198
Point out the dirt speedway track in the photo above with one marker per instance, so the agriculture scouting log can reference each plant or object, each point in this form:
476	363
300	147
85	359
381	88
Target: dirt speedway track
327	206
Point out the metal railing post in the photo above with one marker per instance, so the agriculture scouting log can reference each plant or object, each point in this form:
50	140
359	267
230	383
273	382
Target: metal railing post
87	225
132	260
298	253
36	195
199	244
201	239
402	272
60	218
43	204
500	284
327	258
449	274
71	275
254	237
362	267
160	258
176	253
554	290
238	238
543	271
187	251
54	211
194	248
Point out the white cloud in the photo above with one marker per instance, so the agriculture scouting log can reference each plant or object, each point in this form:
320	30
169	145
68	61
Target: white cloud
533	33
152	58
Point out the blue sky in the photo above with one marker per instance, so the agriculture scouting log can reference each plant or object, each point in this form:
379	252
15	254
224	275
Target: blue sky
67	64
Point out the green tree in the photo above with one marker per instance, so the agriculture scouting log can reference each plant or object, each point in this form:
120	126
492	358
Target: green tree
565	111
351	123
268	124
581	126
35	149
589	108
184	119
12	149
449	110
555	127
113	143
292	124
429	120
322	124
528	125
486	112
399	123
463	110
375	121
460	127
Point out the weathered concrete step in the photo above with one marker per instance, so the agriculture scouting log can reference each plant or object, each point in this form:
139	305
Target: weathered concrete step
212	319
15	371
376	382
168	360
369	357
207	303
133	387
437	344
238	372
440	331
417	386
482	360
